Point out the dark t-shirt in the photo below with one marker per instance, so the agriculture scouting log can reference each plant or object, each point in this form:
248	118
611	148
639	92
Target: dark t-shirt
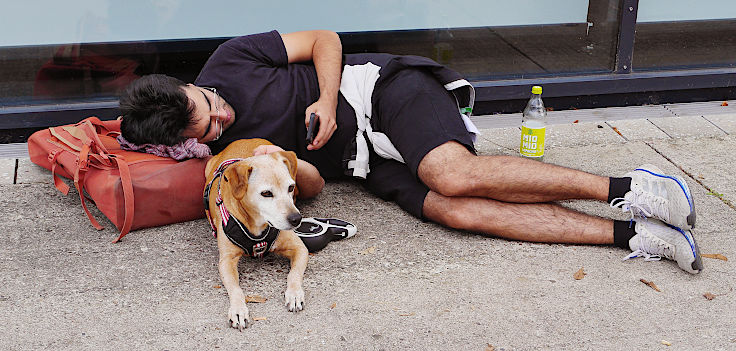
270	97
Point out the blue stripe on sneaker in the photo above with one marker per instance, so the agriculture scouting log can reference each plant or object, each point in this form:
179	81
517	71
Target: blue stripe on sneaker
687	237
684	188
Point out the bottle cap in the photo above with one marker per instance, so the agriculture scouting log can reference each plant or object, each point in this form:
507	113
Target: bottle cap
536	90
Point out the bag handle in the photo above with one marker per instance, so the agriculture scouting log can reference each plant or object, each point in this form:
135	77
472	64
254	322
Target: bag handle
128	196
79	174
91	150
58	183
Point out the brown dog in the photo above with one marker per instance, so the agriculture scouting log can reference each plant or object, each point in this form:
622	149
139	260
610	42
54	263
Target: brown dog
256	201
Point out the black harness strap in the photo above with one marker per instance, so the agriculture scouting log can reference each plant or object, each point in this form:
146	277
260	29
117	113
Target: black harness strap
235	230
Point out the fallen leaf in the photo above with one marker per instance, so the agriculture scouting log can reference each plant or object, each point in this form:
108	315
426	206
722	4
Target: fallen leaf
700	176
550	108
217	286
255	298
334	304
651	284
490	347
370	250
311	254
666	343
259	318
406	314
709	296
616	130
580	274
576	121
725	103
716	256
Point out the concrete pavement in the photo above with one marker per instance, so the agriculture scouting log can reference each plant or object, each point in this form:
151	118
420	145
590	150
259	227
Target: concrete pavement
400	283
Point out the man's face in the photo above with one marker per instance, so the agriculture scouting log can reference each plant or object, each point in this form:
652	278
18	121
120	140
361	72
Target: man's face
211	114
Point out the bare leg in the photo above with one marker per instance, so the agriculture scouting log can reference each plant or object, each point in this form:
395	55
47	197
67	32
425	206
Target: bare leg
451	170
539	222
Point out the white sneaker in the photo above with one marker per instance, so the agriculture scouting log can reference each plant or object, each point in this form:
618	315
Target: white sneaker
658	195
654	240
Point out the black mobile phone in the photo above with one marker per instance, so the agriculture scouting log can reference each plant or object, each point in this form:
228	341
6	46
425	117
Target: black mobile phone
311	128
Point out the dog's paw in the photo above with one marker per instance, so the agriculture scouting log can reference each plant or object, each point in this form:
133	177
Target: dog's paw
294	298
238	315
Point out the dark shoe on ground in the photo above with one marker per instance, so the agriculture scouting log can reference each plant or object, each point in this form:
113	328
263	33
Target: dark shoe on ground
316	233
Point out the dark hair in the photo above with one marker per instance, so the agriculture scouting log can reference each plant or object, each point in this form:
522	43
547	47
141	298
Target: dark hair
155	110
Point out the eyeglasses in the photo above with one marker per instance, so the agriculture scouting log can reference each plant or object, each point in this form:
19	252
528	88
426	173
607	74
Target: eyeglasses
217	109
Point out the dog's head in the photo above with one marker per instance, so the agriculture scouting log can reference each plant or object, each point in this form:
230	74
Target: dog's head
264	188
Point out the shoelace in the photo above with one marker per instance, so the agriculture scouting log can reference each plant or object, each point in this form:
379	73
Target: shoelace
652	249
657	205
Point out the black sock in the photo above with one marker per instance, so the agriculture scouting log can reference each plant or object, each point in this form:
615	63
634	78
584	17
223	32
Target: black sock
618	187
622	232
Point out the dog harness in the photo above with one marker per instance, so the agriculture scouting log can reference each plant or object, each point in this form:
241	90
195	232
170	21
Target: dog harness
233	228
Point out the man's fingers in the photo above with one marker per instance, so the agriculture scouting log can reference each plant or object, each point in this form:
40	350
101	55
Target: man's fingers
326	128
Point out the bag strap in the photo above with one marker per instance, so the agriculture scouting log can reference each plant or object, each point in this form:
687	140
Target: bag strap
79	174
128	196
92	153
58	183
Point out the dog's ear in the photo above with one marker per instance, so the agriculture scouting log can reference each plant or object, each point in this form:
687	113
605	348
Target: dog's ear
237	176
290	161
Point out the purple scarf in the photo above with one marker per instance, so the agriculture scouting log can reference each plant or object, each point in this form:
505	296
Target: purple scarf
190	148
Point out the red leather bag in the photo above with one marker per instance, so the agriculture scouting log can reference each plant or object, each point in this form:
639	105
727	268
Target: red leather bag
133	189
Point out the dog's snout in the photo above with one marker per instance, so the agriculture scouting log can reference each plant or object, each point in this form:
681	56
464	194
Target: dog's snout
294	218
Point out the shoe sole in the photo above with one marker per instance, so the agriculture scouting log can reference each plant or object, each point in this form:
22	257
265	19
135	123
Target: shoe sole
683	186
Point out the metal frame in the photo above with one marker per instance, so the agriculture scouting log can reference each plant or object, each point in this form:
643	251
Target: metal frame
626	30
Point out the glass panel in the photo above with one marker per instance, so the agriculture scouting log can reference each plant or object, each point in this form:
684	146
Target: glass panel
37	74
85	21
685	34
97	47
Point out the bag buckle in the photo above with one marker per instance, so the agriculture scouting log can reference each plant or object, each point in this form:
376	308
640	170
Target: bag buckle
52	156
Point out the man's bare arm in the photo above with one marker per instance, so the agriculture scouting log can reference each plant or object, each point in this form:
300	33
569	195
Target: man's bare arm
324	49
308	180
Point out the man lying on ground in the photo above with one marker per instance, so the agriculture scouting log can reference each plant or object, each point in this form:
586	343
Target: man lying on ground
396	122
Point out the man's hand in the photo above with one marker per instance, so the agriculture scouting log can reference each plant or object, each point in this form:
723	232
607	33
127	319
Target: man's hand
325	113
324	49
266	149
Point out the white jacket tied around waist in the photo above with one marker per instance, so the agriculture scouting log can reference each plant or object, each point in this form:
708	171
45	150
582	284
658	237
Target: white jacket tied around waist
357	85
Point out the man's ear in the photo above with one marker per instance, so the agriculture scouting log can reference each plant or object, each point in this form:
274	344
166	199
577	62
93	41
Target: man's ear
290	161
237	176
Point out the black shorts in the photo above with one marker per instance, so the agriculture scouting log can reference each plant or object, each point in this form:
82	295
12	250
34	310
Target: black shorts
417	114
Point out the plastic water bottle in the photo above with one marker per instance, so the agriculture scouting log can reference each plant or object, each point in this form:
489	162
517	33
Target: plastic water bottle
533	126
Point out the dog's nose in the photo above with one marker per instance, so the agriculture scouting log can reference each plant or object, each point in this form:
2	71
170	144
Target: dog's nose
294	218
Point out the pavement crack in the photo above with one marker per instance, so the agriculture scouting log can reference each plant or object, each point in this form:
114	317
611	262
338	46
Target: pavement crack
654	124
709	189
616	130
717	126
670	111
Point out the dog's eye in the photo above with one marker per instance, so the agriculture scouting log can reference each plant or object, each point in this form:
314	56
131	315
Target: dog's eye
266	193
291	188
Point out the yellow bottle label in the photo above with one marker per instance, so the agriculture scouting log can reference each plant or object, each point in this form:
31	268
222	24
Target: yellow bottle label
532	141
